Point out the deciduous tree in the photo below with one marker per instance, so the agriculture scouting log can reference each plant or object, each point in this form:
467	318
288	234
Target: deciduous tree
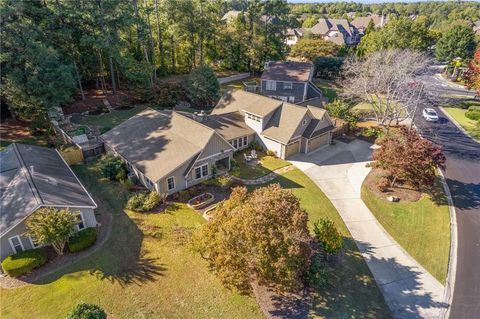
51	226
409	158
260	236
472	75
308	48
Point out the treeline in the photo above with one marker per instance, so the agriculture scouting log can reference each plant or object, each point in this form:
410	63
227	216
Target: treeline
54	48
440	13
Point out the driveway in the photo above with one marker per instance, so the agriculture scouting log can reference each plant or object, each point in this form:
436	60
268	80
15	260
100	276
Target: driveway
463	178
339	170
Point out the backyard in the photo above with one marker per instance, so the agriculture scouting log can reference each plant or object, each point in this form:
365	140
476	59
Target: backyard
145	269
266	165
329	88
471	126
421	227
353	292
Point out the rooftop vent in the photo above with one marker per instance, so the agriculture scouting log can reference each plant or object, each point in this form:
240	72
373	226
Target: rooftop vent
200	116
51	181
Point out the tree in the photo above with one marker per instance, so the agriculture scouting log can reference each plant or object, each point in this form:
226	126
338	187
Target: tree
310	22
327	67
111	166
203	87
458	42
472	75
409	158
51	226
309	48
386	80
87	311
342	110
260	236
327	234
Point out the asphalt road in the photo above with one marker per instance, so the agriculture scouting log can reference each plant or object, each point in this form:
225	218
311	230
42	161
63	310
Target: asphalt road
463	178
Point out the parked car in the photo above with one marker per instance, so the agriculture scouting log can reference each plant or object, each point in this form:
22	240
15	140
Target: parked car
430	115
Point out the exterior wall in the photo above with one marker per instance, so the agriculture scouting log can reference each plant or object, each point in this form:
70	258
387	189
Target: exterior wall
250	139
297	90
180	181
210	161
312	93
6	249
301	128
271	145
254	125
215	145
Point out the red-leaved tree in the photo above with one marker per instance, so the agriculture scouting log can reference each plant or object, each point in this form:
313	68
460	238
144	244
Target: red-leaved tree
408	158
472	75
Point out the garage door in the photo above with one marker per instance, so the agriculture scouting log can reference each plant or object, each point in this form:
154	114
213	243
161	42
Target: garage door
292	149
318	141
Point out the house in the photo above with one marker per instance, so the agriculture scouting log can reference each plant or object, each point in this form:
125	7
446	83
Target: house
361	23
289	81
33	177
339	31
169	151
293	35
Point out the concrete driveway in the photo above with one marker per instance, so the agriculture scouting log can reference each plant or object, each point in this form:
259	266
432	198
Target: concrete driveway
339	170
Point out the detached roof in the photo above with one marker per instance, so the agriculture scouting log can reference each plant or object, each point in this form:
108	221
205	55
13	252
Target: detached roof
158	142
326	25
243	101
287	71
32	177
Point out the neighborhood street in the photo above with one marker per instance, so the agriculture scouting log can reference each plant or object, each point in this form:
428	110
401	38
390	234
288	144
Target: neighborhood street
463	178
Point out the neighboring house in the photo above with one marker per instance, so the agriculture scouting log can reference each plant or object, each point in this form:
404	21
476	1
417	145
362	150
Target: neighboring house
231	15
293	35
339	31
281	127
33	177
169	151
361	23
289	81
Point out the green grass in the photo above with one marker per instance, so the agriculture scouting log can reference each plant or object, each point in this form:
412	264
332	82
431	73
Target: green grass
354	293
469	125
110	119
144	270
268	165
238	84
327	88
422	228
33	140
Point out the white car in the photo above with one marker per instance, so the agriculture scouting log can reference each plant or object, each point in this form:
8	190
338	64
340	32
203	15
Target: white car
430	115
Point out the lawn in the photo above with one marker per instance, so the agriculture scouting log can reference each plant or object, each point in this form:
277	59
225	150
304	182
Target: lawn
354	293
145	270
469	125
238	85
422	228
111	119
328	89
268	165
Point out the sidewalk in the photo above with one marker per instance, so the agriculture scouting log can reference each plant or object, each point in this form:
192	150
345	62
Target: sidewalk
409	290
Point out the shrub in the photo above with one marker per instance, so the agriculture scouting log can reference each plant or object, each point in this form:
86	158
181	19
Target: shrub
111	166
328	235
372	132
255	146
342	110
318	275
271	153
24	262
128	184
169	94
135	202
473	113
151	201
224	181
87	311
383	184
121	175
82	240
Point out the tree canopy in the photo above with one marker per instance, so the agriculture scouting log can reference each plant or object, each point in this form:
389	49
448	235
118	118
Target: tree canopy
259	236
472	75
458	42
308	48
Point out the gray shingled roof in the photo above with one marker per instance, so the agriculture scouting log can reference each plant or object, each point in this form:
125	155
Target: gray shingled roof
243	101
287	71
34	176
229	125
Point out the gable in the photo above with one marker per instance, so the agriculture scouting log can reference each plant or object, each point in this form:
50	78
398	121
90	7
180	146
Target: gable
215	145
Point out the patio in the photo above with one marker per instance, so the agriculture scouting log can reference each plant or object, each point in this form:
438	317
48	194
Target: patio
253	167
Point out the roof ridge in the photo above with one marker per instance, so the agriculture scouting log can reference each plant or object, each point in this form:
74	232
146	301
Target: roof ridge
28	176
192	120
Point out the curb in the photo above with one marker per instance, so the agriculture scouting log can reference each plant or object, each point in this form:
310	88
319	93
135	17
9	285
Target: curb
456	123
452	263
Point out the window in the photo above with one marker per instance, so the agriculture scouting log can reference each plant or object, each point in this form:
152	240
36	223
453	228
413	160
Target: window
16	244
34	242
271	85
291	99
245	141
304	122
80	222
287	85
171	183
201	171
235	144
254	117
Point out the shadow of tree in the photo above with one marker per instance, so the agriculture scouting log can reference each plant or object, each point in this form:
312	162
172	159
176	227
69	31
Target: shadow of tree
465	195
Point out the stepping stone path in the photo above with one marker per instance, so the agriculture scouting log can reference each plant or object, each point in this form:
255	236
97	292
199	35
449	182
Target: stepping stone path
267	178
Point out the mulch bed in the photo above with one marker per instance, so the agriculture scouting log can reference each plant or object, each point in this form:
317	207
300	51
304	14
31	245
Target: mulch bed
404	192
12	129
94	100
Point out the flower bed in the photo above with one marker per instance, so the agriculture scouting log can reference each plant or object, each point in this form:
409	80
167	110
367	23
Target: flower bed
201	201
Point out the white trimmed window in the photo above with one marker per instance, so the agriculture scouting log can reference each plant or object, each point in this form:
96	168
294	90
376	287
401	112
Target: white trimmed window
287	85
254	117
239	142
201	171
34	242
245	141
16	244
80	222
271	85
171	183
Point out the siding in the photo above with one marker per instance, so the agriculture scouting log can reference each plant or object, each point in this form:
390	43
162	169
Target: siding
180	182
298	90
215	145
271	145
301	128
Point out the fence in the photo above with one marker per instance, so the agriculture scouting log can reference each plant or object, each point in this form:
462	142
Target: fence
341	127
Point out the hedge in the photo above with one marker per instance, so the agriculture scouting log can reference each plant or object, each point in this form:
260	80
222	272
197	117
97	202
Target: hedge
87	311
473	113
82	240
24	262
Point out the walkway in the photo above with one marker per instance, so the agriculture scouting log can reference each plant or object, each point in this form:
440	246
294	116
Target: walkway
409	290
265	179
